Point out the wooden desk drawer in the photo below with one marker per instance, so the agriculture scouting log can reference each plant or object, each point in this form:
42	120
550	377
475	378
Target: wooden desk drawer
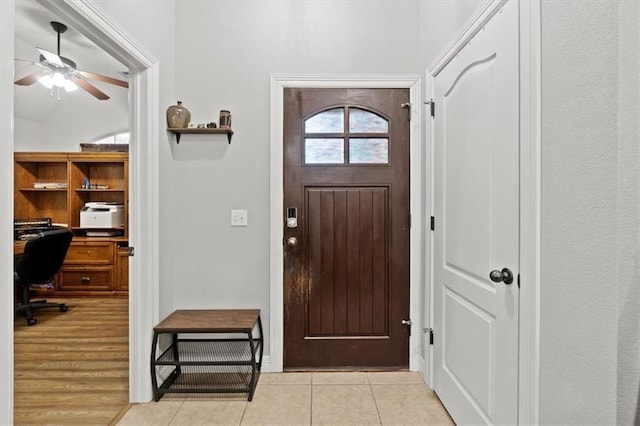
89	252
79	278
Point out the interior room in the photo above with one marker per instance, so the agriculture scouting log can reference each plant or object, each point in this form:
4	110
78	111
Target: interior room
511	228
65	147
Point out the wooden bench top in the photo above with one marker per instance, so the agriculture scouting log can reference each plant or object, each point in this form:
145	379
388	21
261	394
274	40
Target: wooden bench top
209	321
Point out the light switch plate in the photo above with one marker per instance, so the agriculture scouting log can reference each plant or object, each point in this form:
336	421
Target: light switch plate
239	218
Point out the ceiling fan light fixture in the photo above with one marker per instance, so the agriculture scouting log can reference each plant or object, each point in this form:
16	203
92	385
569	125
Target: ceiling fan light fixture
70	86
58	79
46	81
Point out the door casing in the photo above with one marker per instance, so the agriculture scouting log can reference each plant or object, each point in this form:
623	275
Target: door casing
416	194
530	174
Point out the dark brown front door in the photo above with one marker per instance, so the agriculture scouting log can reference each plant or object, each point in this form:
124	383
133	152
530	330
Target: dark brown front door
346	261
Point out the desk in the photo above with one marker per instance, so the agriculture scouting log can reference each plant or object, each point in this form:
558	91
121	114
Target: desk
18	247
212	365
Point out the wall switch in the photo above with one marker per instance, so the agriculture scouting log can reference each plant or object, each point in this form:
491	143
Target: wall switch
238	218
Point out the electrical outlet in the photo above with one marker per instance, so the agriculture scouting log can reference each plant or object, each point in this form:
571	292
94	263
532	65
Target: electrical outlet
239	218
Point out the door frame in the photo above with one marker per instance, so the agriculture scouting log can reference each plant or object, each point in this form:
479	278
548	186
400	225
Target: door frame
89	18
416	193
530	173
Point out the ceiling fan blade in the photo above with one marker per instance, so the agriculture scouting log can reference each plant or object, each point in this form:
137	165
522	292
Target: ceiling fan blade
100	77
90	88
24	61
30	79
51	57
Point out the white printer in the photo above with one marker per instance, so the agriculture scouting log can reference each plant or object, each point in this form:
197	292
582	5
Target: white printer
99	214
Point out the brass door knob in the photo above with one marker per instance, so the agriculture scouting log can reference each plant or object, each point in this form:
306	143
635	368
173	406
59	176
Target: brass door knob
292	241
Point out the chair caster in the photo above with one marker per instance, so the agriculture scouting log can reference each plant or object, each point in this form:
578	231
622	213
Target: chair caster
64	308
31	321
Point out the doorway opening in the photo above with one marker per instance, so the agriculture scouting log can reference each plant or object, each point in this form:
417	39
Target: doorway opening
144	83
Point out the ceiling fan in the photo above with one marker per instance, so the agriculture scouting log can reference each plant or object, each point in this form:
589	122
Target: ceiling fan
62	72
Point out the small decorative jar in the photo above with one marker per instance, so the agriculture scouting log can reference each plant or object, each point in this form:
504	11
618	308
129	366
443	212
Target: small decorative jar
178	117
225	119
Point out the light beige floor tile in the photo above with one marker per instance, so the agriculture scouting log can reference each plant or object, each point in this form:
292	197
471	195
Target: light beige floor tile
340	378
343	405
409	404
293	378
395	377
153	413
210	413
279	405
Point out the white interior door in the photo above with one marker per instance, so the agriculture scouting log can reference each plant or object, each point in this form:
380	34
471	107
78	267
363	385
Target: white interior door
476	229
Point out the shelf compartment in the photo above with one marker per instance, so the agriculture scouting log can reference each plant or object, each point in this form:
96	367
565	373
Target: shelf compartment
43	189
208	352
98	190
196	131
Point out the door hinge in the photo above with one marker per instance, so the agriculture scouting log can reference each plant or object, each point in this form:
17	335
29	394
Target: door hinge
130	251
430	331
432	105
407	105
433	223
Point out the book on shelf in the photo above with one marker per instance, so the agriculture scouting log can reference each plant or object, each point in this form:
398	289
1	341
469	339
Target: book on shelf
50	185
104	233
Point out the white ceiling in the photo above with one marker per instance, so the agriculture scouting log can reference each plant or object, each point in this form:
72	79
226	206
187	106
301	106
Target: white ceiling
33	29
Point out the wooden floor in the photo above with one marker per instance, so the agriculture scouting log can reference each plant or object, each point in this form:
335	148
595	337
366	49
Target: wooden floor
73	367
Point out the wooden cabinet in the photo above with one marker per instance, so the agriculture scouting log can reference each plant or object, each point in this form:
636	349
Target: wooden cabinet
90	252
85	278
57	185
122	268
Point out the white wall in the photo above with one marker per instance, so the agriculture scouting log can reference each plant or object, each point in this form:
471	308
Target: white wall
78	117
590	313
628	207
26	133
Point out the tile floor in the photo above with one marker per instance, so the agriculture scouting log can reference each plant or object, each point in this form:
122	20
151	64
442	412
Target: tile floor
327	398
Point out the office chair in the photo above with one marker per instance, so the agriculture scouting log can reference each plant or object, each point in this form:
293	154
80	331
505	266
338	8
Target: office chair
42	258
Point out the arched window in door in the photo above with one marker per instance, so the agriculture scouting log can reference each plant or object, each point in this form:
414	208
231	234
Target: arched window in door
346	135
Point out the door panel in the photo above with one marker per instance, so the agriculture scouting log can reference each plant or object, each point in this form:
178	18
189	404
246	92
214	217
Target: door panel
347	277
348	281
476	193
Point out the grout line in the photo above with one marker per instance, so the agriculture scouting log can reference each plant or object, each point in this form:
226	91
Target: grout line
244	410
176	413
375	402
311	402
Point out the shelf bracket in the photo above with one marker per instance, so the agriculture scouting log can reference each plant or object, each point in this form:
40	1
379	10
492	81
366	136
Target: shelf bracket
177	137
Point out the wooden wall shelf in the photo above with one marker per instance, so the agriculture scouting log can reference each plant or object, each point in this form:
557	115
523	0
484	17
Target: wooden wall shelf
196	131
